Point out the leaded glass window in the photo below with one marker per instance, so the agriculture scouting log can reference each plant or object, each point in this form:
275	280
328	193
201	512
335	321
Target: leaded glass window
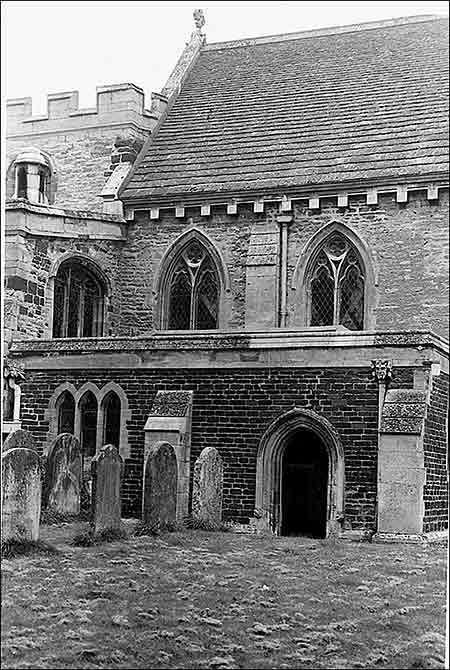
78	302
337	286
193	291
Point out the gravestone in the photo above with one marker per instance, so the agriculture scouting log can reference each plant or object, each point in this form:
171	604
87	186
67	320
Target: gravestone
208	487
64	475
159	504
170	420
107	470
19	439
21	494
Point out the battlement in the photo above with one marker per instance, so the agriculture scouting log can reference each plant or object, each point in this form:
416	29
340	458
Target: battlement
117	105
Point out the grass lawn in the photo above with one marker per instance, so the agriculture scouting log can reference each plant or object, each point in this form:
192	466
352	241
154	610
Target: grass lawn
195	599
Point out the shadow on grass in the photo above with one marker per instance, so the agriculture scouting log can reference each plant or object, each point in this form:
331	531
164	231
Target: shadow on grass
89	539
15	548
51	517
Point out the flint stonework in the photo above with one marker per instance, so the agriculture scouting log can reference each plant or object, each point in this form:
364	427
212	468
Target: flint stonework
19	439
64	475
21	494
107	471
160	487
208	486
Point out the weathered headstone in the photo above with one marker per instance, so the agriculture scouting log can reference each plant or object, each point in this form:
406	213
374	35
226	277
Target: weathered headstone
208	487
21	494
107	469
19	439
159	504
64	475
170	420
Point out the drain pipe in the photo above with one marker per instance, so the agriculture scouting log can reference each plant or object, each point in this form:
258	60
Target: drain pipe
283	222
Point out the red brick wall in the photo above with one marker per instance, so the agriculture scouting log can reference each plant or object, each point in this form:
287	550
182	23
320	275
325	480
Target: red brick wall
231	411
436	457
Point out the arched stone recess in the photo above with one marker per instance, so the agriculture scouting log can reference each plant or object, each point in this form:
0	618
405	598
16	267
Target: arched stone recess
306	260
268	467
51	413
90	264
125	415
160	288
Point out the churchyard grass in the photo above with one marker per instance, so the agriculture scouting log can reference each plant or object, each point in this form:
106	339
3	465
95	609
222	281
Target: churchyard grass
197	599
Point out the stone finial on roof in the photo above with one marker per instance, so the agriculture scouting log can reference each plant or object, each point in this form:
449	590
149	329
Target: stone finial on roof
199	19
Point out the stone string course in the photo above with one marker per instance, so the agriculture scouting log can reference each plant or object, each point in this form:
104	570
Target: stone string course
408	294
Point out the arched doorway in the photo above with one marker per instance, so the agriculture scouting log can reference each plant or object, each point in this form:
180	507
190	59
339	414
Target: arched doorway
304	485
300	476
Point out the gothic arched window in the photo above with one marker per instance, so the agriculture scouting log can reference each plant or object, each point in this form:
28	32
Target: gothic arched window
193	290
111	419
336	285
78	302
66	413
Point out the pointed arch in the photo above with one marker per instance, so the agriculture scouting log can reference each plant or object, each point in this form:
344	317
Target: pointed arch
88	423
125	415
302	276
268	466
52	411
219	287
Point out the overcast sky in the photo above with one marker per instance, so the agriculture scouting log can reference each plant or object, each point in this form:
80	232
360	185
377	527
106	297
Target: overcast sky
50	47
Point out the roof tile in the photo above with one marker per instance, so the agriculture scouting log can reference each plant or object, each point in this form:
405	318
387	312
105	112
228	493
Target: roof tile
363	105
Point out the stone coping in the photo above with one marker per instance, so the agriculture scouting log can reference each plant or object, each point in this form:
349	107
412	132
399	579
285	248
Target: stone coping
50	210
220	339
321	32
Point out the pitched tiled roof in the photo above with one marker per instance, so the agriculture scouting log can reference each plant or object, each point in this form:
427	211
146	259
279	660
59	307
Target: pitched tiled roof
303	111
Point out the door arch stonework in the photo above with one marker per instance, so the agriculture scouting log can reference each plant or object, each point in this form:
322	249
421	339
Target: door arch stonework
269	461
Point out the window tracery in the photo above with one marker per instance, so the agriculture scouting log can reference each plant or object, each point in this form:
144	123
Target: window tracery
337	286
193	291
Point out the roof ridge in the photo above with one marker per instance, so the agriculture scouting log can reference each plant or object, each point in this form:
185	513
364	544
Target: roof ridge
318	32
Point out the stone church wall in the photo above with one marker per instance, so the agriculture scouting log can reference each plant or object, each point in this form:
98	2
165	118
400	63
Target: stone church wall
79	141
30	258
406	242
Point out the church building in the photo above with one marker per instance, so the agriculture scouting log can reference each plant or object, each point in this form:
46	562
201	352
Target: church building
257	262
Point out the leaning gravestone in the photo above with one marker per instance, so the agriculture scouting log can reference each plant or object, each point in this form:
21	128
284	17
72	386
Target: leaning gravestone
21	494
208	487
159	504
64	475
107	469
19	439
